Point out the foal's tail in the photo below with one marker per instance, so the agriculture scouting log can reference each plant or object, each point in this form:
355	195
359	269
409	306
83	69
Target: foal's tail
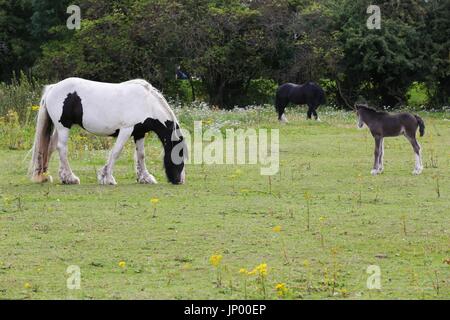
40	152
421	125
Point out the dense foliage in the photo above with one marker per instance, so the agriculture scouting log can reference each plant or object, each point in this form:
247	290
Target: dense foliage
236	52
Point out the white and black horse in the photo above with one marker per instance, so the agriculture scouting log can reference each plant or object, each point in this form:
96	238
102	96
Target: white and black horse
383	124
309	93
122	110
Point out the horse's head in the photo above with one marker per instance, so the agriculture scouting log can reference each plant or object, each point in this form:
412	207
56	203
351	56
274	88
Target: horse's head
175	149
358	109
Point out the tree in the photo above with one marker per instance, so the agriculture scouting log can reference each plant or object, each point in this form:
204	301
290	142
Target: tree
380	64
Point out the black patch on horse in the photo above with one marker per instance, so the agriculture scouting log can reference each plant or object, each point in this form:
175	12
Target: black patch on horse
164	133
115	134
72	111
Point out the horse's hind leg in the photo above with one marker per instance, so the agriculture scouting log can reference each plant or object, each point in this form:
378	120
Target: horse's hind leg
416	147
65	172
105	174
376	162
143	176
281	107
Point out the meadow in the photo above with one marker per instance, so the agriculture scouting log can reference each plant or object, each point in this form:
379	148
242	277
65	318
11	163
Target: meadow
309	232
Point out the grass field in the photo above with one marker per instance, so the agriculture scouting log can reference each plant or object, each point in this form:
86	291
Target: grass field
128	248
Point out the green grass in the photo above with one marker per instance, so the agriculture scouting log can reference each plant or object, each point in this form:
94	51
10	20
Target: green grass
356	220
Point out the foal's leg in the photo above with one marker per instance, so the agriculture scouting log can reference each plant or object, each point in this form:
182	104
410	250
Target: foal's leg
65	172
416	147
376	161
105	174
141	171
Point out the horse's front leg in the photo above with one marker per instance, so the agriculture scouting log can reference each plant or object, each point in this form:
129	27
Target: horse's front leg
310	112
376	161
105	174
314	112
143	176
381	157
65	172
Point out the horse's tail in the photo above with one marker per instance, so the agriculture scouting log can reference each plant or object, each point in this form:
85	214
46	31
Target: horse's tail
40	151
421	125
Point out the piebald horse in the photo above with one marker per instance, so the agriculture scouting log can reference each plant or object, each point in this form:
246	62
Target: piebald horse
383	124
122	110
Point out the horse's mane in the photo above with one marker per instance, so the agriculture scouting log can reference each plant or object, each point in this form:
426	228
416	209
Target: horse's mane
371	110
159	95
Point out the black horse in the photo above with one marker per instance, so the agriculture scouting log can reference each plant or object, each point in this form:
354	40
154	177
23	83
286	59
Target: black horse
309	93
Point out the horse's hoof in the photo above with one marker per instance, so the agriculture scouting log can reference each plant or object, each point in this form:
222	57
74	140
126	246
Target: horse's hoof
374	172
42	178
147	179
283	119
417	171
107	181
70	180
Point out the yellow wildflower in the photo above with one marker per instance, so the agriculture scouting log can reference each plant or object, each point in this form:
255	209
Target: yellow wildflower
251	273
305	263
35	108
276	229
281	289
344	292
154	201
322	219
215	260
243	271
27	285
122	264
262	269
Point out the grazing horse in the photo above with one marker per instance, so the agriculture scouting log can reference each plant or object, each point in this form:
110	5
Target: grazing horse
308	93
383	124
122	110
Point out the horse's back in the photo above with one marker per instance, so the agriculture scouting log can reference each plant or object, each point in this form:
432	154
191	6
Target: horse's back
308	93
105	107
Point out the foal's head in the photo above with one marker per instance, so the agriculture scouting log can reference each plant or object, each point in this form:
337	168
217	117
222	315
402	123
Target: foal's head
361	109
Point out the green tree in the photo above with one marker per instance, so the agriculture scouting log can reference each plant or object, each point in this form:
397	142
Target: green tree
380	64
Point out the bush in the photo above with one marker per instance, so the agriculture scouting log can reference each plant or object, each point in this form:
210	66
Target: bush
20	96
261	91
